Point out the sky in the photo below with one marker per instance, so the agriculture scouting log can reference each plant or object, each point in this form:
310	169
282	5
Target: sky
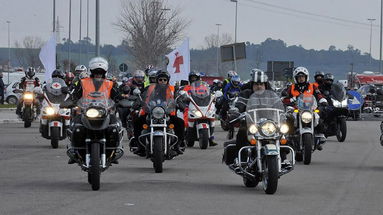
314	24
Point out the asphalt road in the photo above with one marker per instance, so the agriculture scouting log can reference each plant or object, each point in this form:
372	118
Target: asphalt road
344	178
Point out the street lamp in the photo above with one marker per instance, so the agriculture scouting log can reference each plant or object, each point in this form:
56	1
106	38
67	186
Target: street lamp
218	47
381	20
235	34
371	20
9	48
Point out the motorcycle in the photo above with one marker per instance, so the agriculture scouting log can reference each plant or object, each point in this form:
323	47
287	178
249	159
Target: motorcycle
306	118
201	115
54	120
96	142
232	96
28	110
336	112
266	129
158	136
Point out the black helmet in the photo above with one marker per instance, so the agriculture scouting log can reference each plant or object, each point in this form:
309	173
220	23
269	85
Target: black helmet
319	73
328	76
194	74
126	89
58	74
30	72
163	73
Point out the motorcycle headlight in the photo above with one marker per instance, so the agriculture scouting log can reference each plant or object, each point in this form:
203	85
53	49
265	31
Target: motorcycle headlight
253	129
49	110
28	96
158	113
92	113
284	128
306	117
197	113
268	128
336	103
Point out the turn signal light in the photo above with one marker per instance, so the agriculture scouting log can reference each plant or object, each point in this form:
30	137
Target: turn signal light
253	141
145	126
316	111
296	111
283	141
171	126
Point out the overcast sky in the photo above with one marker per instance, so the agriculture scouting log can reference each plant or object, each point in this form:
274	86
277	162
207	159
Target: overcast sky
315	24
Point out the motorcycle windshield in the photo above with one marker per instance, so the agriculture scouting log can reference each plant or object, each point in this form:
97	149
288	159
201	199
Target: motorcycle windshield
264	106
200	92
338	92
307	102
98	100
366	89
159	96
53	90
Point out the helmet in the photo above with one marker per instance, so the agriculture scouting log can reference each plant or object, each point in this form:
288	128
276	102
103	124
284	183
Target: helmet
139	76
235	80
329	76
258	76
30	72
215	81
125	80
126	89
163	73
231	73
98	65
79	69
83	75
148	68
194	74
152	76
300	71
58	74
69	77
319	73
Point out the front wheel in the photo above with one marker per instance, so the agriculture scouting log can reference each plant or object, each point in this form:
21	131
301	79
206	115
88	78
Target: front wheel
341	130
307	141
27	115
203	138
95	171
270	175
55	136
158	154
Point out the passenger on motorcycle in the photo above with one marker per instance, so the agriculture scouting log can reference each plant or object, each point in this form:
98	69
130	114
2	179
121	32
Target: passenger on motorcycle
302	85
97	81
28	83
163	78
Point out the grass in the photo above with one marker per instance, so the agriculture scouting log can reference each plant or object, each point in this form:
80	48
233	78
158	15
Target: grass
7	106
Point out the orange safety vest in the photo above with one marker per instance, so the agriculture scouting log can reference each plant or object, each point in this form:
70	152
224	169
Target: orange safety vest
296	93
88	88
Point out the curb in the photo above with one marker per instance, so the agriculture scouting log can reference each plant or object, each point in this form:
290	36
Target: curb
7	109
10	121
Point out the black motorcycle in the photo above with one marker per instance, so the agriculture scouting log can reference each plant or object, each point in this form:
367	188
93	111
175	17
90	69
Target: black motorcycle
96	142
336	113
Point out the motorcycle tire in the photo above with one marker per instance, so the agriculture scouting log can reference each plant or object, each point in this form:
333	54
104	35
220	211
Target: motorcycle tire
307	140
158	154
224	125
190	137
27	115
341	130
250	182
270	177
95	171
204	138
55	136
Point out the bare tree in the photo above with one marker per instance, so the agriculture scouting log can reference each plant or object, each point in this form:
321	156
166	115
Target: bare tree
27	52
150	29
212	40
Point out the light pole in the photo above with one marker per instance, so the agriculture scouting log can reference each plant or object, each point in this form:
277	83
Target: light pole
9	47
371	20
97	27
235	34
218	47
381	20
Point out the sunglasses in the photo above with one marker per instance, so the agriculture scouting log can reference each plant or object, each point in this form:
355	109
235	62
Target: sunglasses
163	79
259	84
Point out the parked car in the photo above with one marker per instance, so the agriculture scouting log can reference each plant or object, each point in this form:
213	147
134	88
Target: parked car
10	96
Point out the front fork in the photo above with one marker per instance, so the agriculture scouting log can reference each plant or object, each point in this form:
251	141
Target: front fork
102	143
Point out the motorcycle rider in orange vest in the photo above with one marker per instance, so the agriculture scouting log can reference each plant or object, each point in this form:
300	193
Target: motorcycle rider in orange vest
163	78
96	82
302	85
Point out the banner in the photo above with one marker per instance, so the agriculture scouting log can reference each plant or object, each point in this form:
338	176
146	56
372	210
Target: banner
179	62
48	56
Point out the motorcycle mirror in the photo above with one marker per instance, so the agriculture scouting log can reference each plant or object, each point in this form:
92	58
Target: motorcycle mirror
136	92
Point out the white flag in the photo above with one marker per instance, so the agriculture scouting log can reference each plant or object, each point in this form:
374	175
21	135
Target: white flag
48	56
179	62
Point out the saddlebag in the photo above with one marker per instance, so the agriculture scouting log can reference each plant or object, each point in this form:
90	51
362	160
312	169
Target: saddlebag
229	154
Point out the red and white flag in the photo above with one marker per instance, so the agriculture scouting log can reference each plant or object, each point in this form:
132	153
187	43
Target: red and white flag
179	62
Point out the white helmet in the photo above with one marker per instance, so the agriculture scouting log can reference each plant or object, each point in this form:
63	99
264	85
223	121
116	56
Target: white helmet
301	70
258	76
98	63
231	73
80	68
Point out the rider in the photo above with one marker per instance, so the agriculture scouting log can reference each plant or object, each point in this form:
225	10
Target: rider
302	85
97	81
28	83
69	79
217	85
230	74
318	78
77	71
137	81
232	88
327	83
163	78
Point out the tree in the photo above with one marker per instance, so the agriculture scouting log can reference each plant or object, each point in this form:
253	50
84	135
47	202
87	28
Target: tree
150	29
27	53
212	40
